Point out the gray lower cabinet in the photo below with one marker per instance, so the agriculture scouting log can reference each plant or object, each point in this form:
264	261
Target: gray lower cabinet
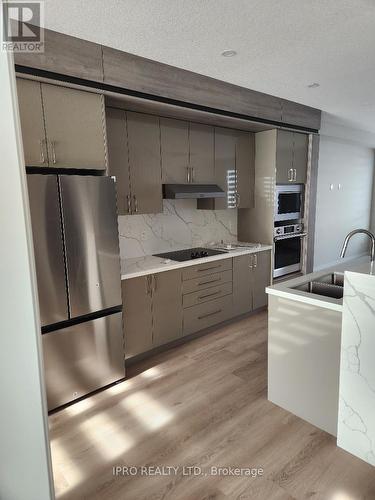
174	142
166	307
208	314
251	275
291	157
62	127
152	311
137	315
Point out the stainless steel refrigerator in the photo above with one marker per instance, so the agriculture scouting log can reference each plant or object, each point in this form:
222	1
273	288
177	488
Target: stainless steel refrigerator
74	223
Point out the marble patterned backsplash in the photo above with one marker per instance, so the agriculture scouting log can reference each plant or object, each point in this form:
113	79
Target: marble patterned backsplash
180	226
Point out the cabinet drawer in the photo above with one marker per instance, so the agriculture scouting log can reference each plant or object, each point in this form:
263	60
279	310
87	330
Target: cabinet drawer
210	313
207	268
201	296
208	281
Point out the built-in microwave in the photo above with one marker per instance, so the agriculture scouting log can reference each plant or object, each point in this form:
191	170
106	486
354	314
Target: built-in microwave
288	202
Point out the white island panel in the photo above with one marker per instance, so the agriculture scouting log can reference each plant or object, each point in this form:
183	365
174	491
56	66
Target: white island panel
356	426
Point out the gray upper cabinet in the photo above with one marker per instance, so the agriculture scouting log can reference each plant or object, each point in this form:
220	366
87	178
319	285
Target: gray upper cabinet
291	157
245	169
118	157
201	139
174	137
75	128
300	153
32	123
167	306
284	157
145	162
62	127
225	167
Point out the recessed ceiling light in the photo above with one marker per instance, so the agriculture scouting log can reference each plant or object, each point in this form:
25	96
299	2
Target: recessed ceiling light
229	53
314	85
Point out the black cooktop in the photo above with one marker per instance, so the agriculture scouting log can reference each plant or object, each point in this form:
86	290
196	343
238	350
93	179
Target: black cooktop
189	254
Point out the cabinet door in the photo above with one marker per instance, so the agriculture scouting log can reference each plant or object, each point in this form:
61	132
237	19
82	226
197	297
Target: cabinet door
75	128
201	139
261	278
245	169
284	157
242	284
144	161
118	158
300	150
167	307
137	315
225	166
32	123
174	137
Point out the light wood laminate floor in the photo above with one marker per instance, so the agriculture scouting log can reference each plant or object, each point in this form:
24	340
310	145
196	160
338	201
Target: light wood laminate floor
203	403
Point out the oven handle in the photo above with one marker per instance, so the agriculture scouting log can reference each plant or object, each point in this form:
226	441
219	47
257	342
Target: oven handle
289	237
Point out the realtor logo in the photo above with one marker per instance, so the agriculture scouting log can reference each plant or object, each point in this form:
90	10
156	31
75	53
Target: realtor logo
23	26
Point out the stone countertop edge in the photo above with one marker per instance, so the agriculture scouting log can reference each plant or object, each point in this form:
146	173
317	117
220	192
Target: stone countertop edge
148	264
286	288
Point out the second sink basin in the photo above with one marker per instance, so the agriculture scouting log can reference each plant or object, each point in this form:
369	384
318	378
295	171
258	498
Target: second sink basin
331	285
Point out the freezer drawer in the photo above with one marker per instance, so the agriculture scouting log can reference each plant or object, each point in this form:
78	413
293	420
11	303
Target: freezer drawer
48	248
82	358
91	243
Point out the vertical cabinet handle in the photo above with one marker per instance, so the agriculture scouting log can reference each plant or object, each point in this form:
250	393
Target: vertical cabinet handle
135	203
153	283
54	160
295	174
255	260
290	175
251	265
128	201
238	200
42	157
192	174
188	175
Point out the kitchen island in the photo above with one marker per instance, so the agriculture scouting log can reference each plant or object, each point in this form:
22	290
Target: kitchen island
304	344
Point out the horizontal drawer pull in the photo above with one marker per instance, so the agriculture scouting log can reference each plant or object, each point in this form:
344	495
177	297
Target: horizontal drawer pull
208	295
207	282
208	268
210	314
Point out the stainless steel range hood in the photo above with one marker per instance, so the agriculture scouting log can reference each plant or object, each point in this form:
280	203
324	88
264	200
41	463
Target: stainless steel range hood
192	191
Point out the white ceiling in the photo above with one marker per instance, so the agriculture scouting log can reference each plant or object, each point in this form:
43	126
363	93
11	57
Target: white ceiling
282	45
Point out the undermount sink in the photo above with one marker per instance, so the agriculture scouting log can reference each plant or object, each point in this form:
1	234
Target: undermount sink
330	285
332	279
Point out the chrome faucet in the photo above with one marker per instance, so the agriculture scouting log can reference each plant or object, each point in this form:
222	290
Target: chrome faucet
358	231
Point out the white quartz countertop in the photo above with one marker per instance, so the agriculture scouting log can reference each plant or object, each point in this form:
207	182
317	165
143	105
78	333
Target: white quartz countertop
286	288
141	266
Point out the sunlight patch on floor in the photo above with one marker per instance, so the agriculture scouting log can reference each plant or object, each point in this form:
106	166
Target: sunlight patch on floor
66	474
148	411
106	435
342	495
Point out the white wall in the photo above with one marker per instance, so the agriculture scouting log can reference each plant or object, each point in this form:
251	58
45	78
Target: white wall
347	158
25	470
